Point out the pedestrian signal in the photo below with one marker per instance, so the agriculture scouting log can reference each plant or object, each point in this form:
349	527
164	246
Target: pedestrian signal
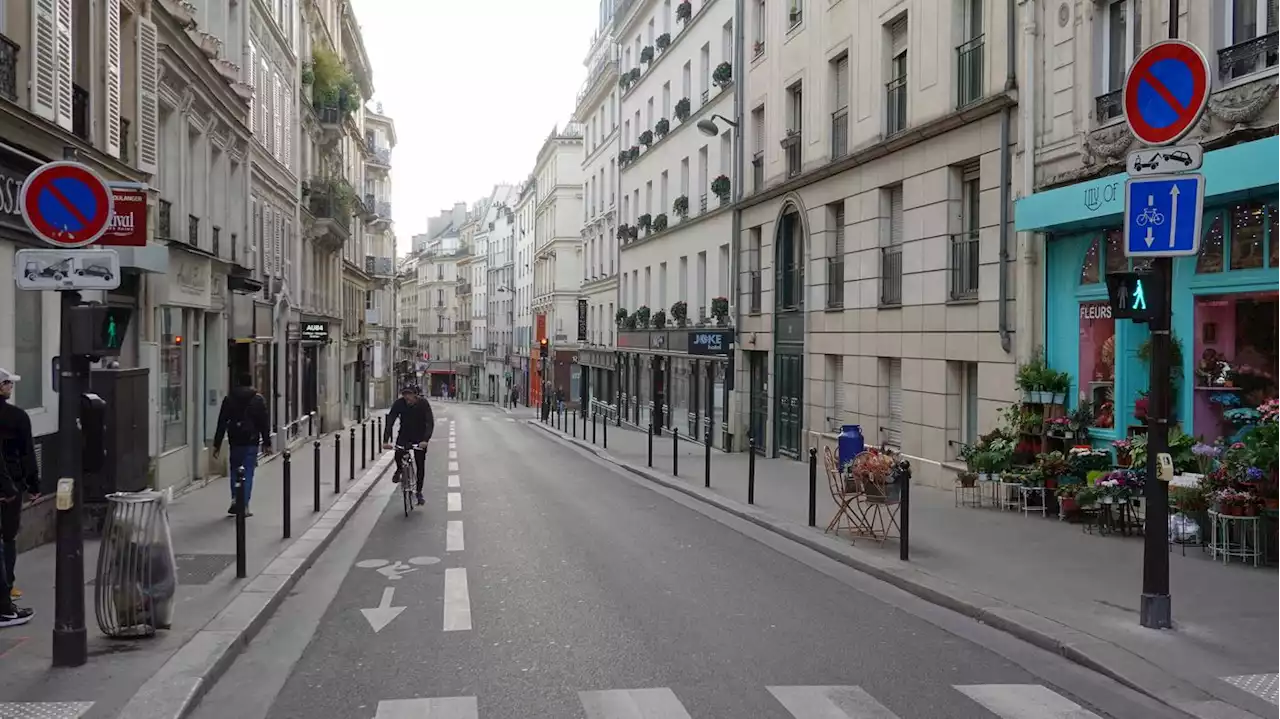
1136	296
99	330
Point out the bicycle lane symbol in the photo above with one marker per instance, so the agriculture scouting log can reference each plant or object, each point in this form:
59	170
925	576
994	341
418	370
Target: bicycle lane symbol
397	569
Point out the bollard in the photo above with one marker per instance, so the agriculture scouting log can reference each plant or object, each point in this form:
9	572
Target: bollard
337	462
593	426
364	444
813	486
242	569
751	470
903	472
288	503
315	460
351	461
675	452
604	432
708	460
575	424
311	424
650	444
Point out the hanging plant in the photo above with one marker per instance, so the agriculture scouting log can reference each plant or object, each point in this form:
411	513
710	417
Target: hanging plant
684	11
682	109
720	187
645	222
646	55
662	128
664	41
660	222
659	319
646	139
722	76
681	206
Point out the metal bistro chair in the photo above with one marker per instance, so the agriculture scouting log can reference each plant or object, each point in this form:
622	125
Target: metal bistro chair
882	499
846	496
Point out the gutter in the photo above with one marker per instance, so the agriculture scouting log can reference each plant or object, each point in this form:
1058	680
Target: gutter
735	243
1006	150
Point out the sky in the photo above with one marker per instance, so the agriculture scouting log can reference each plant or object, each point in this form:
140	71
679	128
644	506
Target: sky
474	88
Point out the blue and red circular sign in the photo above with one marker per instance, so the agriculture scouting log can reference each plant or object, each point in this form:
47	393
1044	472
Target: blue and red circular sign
1166	91
66	204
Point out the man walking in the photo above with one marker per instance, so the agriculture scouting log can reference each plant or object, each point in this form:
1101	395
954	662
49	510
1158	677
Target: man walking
18	473
243	420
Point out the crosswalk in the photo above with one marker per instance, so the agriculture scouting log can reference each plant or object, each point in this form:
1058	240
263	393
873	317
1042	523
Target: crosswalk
488	418
1004	701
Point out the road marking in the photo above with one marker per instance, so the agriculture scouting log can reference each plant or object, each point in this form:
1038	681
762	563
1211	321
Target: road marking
1262	686
632	704
446	708
44	710
453	453
453	466
382	615
455	501
453	536
511	419
457	601
455	481
1024	701
830	702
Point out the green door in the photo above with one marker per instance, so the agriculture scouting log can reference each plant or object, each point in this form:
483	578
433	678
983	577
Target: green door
790	403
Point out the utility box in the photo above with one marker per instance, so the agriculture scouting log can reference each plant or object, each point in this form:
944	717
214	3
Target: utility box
124	439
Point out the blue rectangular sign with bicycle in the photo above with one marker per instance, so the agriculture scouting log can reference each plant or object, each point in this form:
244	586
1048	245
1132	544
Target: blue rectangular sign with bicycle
1162	215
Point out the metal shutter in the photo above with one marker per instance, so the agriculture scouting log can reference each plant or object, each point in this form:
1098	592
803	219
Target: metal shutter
895	216
894	430
842	83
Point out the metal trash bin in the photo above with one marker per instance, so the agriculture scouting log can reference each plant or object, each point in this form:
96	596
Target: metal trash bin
137	573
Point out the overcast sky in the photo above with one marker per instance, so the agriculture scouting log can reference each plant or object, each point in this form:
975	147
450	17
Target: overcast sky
474	88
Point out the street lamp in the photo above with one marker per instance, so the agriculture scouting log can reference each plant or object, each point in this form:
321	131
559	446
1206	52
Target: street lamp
709	128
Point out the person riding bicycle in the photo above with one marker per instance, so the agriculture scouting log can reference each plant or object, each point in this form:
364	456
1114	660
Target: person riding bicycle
416	425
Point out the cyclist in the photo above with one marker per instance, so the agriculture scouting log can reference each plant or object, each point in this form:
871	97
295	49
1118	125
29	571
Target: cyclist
416	425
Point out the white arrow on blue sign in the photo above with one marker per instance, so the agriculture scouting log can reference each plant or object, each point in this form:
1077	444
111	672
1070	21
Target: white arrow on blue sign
1162	215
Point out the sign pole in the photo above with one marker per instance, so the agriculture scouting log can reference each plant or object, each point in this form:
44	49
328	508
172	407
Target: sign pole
70	640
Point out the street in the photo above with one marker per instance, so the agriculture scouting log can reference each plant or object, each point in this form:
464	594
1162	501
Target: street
539	582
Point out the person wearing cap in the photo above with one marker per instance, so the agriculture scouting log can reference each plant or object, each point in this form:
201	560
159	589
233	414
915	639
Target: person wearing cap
416	426
18	473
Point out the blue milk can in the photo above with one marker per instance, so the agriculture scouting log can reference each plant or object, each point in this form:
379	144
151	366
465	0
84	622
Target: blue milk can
850	443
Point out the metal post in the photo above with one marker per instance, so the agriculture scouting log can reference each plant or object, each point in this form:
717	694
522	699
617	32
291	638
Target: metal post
337	462
594	416
288	493
904	510
651	443
351	460
242	569
604	434
311	423
70	640
751	470
708	460
364	444
575	424
315	491
675	452
813	486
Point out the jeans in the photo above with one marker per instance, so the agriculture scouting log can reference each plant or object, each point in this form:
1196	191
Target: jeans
420	464
247	457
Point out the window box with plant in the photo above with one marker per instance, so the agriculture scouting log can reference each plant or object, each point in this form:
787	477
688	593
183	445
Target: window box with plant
646	139
646	55
680	312
659	319
684	11
642	316
720	309
645	222
682	109
623	233
661	128
720	187
663	41
660	222
681	206
620	317
722	76
333	84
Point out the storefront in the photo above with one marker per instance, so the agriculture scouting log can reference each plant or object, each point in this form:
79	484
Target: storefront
1224	298
677	380
597	376
312	339
187	383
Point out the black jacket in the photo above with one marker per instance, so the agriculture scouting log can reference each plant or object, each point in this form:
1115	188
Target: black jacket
18	469
243	420
416	421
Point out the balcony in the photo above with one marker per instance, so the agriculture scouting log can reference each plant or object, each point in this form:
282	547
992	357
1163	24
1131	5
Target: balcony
464	289
331	119
964	266
379	157
895	105
462	326
8	69
379	266
332	204
839	133
891	275
1108	106
1248	57
969	72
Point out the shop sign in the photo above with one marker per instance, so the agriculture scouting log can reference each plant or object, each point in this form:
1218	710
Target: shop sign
582	320
11	180
1095	311
716	342
315	331
128	226
190	280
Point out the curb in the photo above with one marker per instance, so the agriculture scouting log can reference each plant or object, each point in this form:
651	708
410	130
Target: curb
175	690
1098	655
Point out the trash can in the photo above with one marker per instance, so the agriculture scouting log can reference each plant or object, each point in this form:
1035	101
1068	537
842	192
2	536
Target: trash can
137	573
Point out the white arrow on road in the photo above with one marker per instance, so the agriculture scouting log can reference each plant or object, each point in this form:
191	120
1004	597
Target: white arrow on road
1173	214
381	616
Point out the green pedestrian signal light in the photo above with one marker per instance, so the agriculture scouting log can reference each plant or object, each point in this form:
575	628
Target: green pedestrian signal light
99	330
1135	296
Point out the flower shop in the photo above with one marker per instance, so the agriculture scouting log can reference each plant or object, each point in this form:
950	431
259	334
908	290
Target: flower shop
1080	433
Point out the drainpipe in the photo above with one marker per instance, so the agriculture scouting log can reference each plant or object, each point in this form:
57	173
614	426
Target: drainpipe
735	243
1006	150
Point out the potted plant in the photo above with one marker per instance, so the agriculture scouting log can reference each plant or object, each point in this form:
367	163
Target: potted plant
1052	466
646	55
1122	448
684	11
1066	495
634	152
720	187
1087	497
1059	427
722	76
660	222
680	312
642	316
662	127
645	222
967	479
682	109
646	138
634	232
681	206
1056	385
630	322
759	48
620	316
1030	377
624	158
663	41
720	309
624	232
659	319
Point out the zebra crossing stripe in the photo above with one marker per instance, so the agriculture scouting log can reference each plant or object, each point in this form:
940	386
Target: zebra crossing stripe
830	702
1024	701
632	704
447	708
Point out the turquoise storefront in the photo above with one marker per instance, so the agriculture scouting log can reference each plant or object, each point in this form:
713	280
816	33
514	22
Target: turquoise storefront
1224	299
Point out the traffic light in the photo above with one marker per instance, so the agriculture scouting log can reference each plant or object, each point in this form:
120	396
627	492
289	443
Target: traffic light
98	330
542	343
1137	296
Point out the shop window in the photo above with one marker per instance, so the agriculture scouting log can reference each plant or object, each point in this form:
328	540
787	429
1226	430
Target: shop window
28	349
173	373
1090	269
1236	355
1113	256
1211	246
1098	360
1239	238
1247	237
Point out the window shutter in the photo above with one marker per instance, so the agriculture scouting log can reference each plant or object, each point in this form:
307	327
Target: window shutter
895	216
275	116
287	139
252	79
268	244
288	256
898	37
278	244
264	107
842	83
112	22
44	54
837	252
63	59
148	98
895	403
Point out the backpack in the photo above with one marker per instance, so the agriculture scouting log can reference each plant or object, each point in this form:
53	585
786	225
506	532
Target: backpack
239	424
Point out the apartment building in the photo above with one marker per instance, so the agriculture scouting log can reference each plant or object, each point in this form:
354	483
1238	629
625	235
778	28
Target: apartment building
526	347
93	97
379	263
876	245
499	250
597	109
407	349
444	343
677	82
1069	215
557	257
470	273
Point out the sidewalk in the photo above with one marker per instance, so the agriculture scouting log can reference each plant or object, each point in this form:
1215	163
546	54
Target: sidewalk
208	591
1040	579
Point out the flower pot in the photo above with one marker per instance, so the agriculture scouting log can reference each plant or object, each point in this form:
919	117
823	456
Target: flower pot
1123	459
995	476
1051	483
984	477
968	480
1249	510
1069	505
1057	397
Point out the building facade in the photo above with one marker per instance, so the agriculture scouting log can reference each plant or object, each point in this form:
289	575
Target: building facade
1070	214
557	258
675	191
445	344
469	374
524	339
408	351
597	110
876	249
379	264
499	289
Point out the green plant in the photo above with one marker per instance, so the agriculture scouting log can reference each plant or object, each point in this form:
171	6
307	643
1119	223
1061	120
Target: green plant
720	186
646	138
660	222
623	233
659	319
720	307
663	41
645	222
1175	354
333	85
681	206
1189	499
680	311
662	127
722	75
620	316
308	74
1031	374
642	315
646	55
1056	382
684	11
682	109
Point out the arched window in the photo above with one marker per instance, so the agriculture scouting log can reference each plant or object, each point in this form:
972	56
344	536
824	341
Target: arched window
1240	237
1091	268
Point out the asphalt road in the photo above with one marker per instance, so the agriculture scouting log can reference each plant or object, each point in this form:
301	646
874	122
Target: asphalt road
575	583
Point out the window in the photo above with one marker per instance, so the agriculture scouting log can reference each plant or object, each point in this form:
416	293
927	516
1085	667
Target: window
896	87
891	250
757	158
173	378
969	401
662	285
833	390
662	192
726	42
648	286
724	272
704	73
1098	360
666	16
684	177
703	186
789	261
726	154
648	197
965	244
666	101
1250	42
648	117
682	280
701	296
753	262
840	101
835	254
969	55
1236	331
28	348
1121	25
795	130
795	14
1240	237
893	429
686	80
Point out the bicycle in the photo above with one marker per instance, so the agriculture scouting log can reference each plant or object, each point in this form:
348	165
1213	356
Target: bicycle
407	475
1150	216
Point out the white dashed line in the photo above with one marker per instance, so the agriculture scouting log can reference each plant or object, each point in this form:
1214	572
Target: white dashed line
455	501
453	536
455	481
453	466
453	453
457	600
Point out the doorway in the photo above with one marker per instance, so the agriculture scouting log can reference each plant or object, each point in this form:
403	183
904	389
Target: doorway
790	393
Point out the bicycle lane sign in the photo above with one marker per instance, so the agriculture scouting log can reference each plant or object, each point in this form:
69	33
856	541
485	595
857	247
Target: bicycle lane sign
1163	215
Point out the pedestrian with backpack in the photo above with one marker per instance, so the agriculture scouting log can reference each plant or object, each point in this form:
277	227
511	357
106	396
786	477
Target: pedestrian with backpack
244	421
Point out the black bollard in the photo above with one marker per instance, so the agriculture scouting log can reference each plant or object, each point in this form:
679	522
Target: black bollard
242	569
288	492
315	491
575	424
813	487
604	432
751	470
708	460
337	462
378	434
675	452
311	423
903	472
650	444
593	426
351	461
364	444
